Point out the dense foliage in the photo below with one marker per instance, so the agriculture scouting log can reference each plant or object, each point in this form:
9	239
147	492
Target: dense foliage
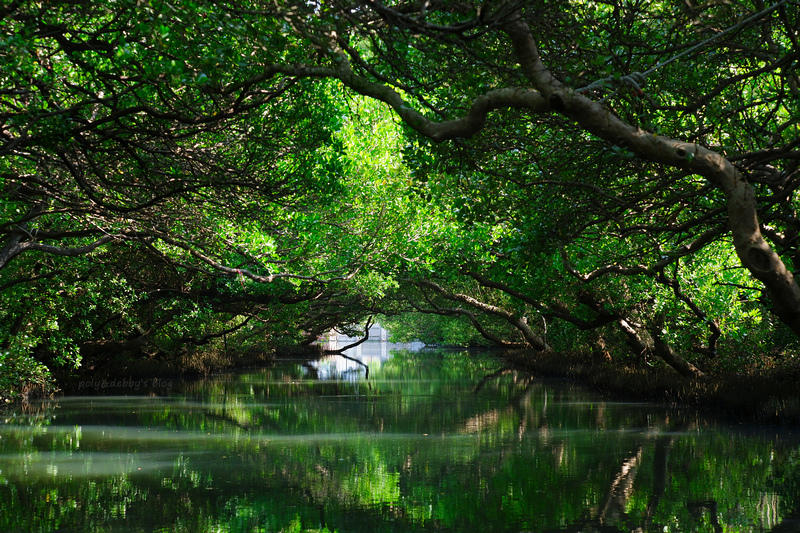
208	176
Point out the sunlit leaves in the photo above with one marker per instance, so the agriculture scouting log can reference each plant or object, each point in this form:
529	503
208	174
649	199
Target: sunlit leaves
217	144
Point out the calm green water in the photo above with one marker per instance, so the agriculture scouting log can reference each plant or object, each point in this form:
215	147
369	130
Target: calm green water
430	442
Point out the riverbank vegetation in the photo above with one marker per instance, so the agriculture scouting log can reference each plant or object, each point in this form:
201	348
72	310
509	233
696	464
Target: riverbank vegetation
186	180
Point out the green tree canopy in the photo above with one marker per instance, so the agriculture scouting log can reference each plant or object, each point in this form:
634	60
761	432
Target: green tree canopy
552	174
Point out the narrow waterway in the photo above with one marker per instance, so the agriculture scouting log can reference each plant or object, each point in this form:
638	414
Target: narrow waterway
431	441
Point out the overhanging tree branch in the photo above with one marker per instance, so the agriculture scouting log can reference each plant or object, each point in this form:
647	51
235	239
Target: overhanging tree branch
519	323
753	251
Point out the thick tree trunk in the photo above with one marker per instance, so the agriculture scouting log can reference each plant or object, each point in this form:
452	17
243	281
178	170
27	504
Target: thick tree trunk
643	343
639	345
753	251
668	355
547	95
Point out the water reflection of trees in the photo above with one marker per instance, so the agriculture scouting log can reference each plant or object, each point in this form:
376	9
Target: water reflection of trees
508	453
671	491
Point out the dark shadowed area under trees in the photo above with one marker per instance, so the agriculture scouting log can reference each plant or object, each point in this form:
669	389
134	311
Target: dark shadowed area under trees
186	185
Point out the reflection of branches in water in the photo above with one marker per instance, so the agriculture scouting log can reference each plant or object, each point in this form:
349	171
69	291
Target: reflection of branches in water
622	485
494	375
340	351
516	403
508	369
660	473
613	511
313	372
227	419
366	368
621	488
696	510
365	338
481	421
612	515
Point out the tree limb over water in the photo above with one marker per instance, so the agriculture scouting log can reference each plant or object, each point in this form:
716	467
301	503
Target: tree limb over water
551	175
